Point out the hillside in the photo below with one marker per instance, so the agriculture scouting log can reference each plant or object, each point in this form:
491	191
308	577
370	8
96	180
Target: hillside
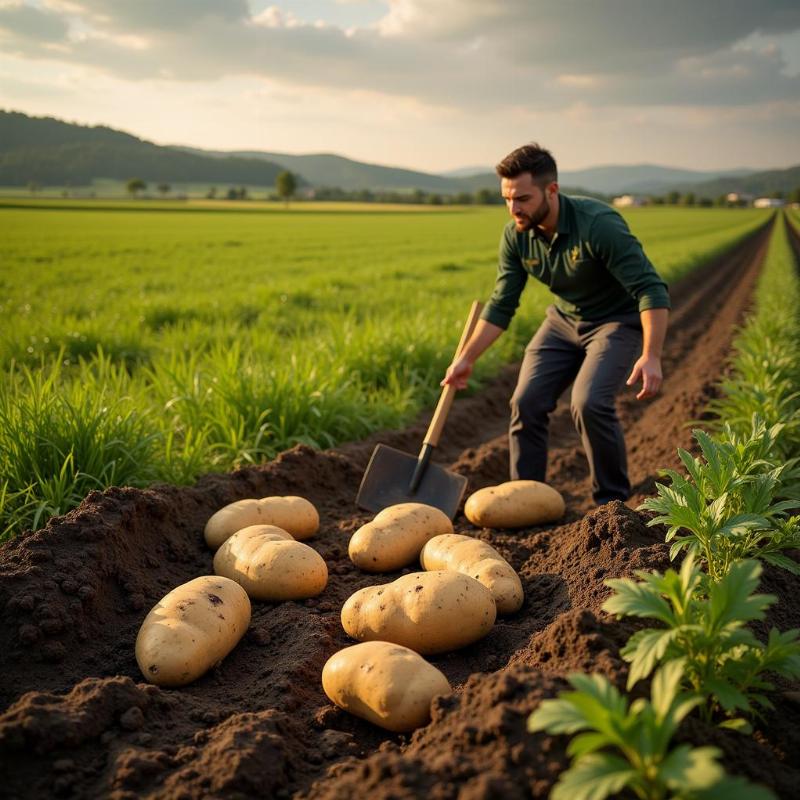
621	179
328	169
757	184
51	152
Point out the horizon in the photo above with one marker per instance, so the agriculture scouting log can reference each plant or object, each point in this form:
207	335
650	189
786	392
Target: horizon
708	87
474	169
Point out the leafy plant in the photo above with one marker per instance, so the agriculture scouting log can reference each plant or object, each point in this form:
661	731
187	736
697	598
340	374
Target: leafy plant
729	506
704	628
621	747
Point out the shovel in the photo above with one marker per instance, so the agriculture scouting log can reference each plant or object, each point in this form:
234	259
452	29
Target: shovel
395	477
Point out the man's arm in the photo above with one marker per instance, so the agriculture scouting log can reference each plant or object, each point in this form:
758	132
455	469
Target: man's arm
648	367
484	335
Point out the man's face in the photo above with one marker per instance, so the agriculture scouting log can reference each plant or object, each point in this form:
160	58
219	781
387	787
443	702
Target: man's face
526	201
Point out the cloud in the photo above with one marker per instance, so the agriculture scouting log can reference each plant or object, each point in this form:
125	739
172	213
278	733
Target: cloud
464	54
23	23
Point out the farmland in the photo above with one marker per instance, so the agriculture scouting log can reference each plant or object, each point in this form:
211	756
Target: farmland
160	341
75	593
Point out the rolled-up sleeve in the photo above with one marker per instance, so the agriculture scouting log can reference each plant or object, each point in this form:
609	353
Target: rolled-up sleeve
510	281
612	240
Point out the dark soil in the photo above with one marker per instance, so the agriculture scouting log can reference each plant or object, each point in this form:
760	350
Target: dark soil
80	723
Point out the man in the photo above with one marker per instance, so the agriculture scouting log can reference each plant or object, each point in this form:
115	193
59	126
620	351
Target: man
608	322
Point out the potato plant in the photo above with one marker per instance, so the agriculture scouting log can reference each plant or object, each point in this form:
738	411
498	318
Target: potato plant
622	746
730	507
704	627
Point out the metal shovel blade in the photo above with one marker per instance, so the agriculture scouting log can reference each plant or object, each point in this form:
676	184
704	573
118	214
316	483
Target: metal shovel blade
387	480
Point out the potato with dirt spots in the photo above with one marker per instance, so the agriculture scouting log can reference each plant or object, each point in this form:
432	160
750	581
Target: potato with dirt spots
514	504
383	683
296	515
479	560
395	537
430	612
192	628
270	565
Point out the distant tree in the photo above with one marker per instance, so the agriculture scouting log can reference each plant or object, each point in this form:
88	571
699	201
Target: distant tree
721	200
242	193
673	198
794	195
463	199
286	186
33	187
211	193
484	197
688	199
418	196
164	188
232	193
778	194
134	186
656	200
435	199
705	202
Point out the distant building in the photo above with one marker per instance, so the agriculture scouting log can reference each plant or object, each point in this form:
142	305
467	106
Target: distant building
628	201
768	202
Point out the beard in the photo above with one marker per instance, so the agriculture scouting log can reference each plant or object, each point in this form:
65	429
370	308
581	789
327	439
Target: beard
532	220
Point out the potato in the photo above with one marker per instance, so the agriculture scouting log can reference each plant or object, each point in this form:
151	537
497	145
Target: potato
383	683
394	538
430	612
294	514
479	560
270	565
192	628
514	504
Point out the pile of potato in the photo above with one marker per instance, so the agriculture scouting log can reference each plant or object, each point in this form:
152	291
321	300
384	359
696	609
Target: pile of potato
452	603
257	556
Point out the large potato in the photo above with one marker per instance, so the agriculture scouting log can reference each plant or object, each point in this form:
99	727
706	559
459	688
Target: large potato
479	560
430	612
270	565
383	683
514	504
394	538
192	628
296	515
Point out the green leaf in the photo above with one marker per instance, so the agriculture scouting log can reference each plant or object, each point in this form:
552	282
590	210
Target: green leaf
638	600
780	560
691	768
644	650
666	685
733	789
557	716
729	697
594	777
585	743
739	724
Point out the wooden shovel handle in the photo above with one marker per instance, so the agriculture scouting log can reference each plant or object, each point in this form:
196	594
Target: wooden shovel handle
449	392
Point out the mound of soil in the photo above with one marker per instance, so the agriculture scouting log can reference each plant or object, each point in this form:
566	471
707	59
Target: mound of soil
80	723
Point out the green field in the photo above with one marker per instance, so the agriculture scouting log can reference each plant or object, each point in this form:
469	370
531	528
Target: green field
146	342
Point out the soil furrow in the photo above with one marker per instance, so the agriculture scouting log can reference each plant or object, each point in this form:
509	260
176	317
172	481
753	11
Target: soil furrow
75	594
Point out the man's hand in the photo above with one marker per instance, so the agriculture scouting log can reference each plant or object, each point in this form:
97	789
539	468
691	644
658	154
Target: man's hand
457	374
648	370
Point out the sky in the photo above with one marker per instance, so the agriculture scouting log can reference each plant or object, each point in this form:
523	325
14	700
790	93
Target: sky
432	85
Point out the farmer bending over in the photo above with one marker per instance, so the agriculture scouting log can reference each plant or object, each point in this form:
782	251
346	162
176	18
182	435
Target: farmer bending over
608	322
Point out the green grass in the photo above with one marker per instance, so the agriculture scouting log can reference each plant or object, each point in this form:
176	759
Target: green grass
170	340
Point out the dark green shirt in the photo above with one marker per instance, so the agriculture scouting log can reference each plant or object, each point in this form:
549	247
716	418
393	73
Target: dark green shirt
594	266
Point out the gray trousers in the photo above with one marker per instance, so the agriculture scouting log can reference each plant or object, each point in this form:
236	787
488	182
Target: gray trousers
597	357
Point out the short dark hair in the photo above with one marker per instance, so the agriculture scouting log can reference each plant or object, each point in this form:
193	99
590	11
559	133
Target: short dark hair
529	158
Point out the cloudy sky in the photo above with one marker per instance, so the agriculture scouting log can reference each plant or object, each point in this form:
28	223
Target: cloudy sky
426	84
